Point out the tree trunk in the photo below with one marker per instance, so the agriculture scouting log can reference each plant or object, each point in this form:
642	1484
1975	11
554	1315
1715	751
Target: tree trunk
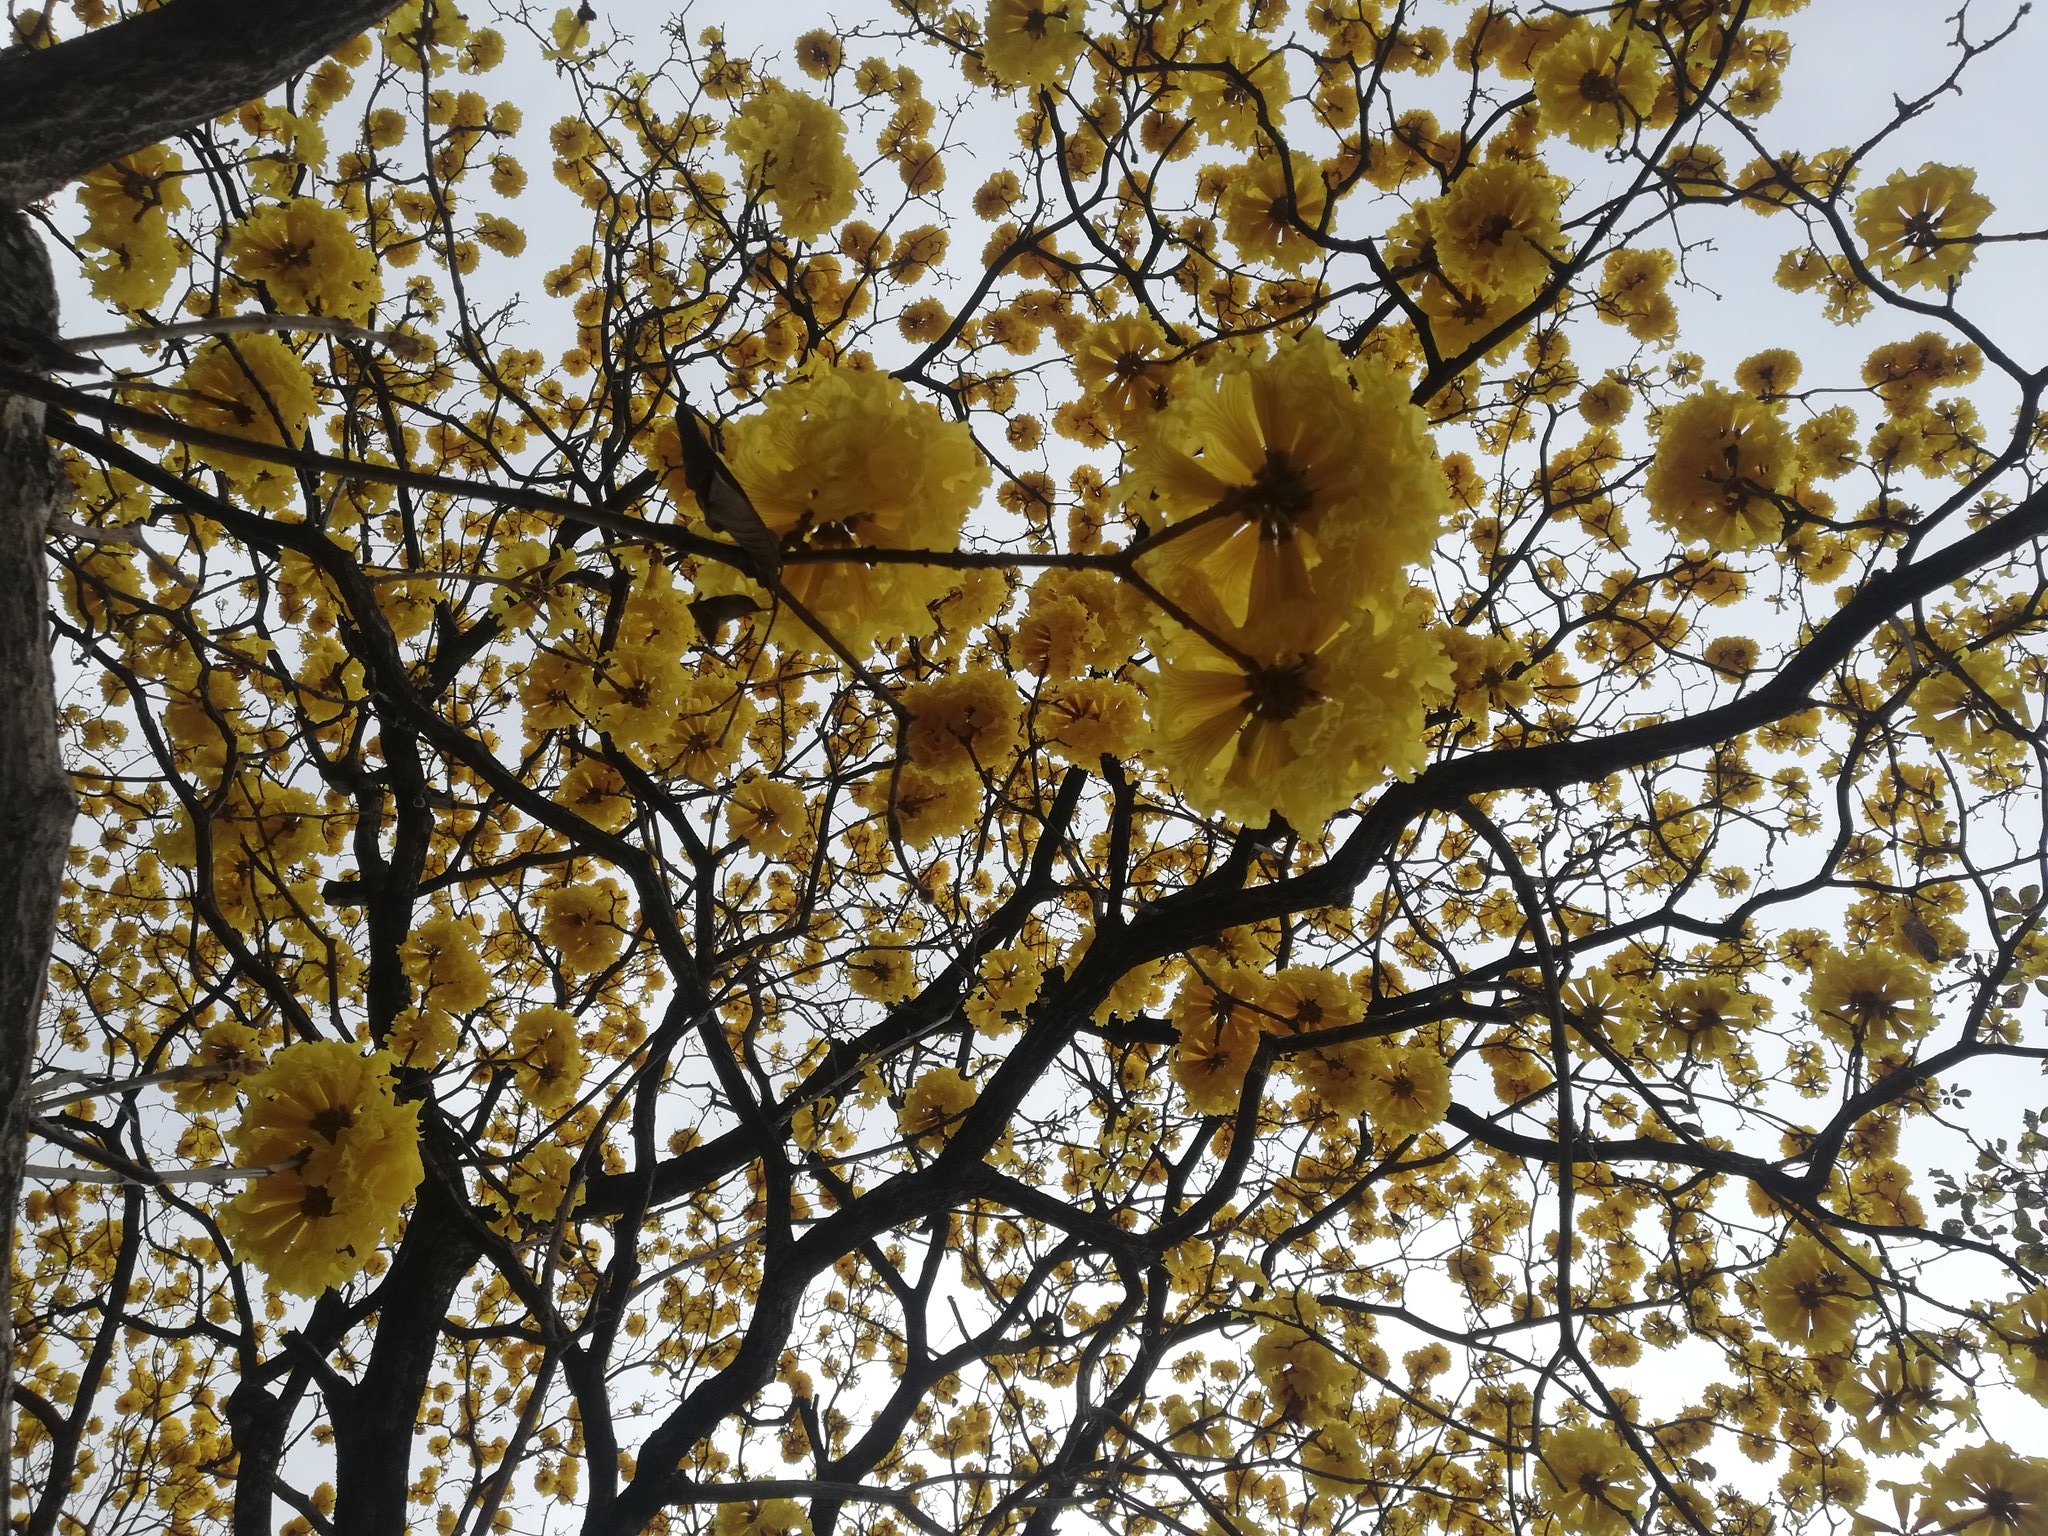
36	806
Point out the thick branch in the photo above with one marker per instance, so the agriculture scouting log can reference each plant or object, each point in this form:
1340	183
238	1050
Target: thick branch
111	92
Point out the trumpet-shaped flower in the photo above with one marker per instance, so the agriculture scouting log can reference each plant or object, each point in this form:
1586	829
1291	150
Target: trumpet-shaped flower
342	1158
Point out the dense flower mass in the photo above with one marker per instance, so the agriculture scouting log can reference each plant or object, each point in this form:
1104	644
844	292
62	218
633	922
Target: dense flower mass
1595	84
1034	42
1291	493
847	459
129	204
1724	465
1301	714
338	1159
252	387
308	258
1173	767
794	148
1918	225
1812	1294
1589	1480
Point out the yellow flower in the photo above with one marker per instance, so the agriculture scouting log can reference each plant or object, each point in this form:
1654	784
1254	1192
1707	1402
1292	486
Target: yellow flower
539	1181
1219	1025
846	459
819	54
1988	1490
346	1156
1497	230
2019	1332
1702	1018
1894	1402
309	258
1918	226
708	717
1308	716
1595	84
1033	42
1964	707
769	814
1238	78
761	1517
963	723
1404	1090
884	969
226	1052
1009	981
1120	364
440	958
128	204
1724	464
419	34
250	387
1873	999
1296	481
794	146
1088	718
1811	1293
1589	1480
1272	208
1633	294
1306	1381
571	34
596	791
927	805
933	1106
584	922
547	1057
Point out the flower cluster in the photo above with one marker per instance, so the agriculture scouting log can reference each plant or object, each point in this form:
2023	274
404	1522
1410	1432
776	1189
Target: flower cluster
1918	225
307	256
340	1158
794	147
1292	494
252	387
846	459
1033	42
128	205
1724	465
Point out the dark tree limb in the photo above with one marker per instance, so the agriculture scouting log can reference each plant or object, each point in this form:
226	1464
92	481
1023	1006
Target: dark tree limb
108	93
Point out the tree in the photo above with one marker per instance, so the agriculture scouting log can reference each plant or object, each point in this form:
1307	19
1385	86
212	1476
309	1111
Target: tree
1191	841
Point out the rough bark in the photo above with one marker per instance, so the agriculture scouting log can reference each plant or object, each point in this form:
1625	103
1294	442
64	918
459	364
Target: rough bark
36	805
107	93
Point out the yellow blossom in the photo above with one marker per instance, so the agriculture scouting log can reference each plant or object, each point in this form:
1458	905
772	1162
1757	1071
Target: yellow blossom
586	923
1303	482
309	258
250	387
1918	226
934	1105
1596	84
794	147
1872	999
1812	1292
1033	42
845	459
1589	1480
547	1057
1988	1490
1497	230
1724	465
343	1156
